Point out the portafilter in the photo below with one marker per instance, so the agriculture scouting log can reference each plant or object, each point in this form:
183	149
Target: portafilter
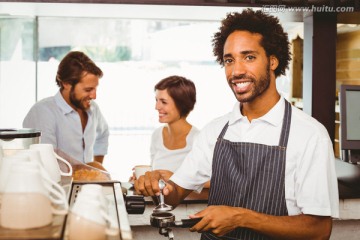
165	220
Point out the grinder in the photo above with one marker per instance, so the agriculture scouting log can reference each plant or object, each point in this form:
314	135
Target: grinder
163	219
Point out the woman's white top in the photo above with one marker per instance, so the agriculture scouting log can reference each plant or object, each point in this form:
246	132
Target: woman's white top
164	158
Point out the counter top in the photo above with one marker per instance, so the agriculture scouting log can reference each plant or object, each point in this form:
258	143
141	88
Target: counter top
348	175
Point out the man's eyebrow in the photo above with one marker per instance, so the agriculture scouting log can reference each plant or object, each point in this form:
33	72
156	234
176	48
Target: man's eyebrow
245	52
227	55
248	52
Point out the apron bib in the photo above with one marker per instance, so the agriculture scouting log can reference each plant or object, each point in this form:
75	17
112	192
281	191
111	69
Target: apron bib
251	176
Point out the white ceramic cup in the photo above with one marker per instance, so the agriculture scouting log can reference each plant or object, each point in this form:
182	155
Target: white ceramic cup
81	228
29	160
49	159
5	169
52	189
26	201
89	221
141	170
93	191
33	154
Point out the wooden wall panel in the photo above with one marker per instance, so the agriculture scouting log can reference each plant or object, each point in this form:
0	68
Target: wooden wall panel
348	58
346	53
349	63
352	75
297	68
348	41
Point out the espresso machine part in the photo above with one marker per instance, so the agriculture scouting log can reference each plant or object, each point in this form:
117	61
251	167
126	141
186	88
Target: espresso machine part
134	204
165	220
12	140
162	207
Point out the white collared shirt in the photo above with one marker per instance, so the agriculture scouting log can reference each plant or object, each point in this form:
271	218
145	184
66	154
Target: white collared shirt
60	125
310	177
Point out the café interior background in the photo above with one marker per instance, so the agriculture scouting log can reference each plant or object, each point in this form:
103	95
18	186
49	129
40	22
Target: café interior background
135	46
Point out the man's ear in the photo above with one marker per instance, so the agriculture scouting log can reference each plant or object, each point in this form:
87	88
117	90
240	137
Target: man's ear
274	62
66	86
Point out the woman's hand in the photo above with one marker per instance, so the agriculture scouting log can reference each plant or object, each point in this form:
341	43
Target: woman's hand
133	177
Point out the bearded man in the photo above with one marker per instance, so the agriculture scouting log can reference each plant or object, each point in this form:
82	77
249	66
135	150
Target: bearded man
71	121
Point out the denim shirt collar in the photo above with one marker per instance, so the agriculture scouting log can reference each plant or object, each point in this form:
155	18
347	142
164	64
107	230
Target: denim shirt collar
64	106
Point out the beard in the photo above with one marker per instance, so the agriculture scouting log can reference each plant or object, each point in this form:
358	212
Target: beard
78	103
260	85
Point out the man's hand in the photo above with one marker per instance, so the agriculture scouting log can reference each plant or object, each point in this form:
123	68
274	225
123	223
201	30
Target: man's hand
99	159
148	184
96	165
217	219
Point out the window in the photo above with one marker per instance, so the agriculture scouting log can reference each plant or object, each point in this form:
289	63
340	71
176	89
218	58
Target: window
134	55
17	69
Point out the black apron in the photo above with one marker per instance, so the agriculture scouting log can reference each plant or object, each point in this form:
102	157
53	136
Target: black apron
249	175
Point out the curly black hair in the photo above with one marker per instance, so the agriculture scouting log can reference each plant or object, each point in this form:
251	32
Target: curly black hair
274	39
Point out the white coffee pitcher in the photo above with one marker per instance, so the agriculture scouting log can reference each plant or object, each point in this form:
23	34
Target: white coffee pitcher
28	198
49	159
21	162
34	157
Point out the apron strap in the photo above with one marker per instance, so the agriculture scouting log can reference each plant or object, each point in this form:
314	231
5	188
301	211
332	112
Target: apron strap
223	131
284	137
